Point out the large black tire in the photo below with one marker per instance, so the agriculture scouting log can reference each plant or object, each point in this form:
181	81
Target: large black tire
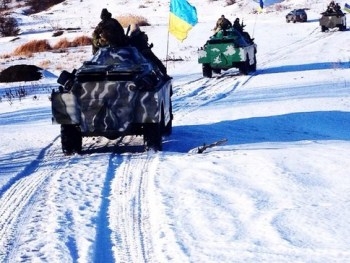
71	139
168	128
207	71
153	136
253	66
342	28
217	70
323	28
244	67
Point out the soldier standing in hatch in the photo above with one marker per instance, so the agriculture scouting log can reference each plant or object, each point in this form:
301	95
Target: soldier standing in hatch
108	32
139	39
237	25
222	24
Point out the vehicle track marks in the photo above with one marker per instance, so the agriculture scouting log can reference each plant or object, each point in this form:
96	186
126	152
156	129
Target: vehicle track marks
195	94
282	52
103	245
18	194
131	238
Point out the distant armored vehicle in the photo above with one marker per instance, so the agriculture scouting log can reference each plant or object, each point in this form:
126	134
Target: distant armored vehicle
331	20
227	49
117	93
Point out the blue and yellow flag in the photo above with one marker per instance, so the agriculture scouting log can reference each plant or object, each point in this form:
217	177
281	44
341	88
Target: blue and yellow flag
261	3
183	17
347	8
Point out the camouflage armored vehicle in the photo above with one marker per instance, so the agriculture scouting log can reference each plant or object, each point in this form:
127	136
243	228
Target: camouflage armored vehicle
117	93
227	49
331	20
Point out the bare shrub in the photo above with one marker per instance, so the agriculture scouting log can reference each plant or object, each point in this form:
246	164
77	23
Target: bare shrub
38	6
33	46
82	41
8	26
79	41
5	56
127	20
63	43
20	73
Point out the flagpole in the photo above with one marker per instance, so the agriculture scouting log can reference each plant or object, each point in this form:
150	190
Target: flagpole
167	42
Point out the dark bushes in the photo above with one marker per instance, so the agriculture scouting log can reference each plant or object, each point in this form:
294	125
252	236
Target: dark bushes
8	26
21	73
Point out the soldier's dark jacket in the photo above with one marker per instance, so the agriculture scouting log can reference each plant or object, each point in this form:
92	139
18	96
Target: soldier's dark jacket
139	39
223	23
108	32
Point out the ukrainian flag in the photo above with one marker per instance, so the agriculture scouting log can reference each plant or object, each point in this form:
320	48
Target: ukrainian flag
347	8
183	17
261	3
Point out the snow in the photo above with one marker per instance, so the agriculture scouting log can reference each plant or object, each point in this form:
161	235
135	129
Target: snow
277	191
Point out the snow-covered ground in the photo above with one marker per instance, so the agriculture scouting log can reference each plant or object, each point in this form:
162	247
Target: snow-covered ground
277	191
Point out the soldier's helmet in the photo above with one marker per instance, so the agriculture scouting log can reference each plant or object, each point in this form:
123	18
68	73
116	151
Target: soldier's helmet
105	14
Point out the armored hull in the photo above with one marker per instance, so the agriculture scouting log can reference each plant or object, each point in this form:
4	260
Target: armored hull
117	93
228	49
331	20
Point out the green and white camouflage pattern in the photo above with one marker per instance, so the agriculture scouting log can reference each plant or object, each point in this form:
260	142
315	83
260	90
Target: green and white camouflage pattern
228	49
113	94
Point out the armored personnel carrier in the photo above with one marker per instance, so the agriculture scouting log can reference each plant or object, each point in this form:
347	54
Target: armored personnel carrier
116	93
227	49
332	19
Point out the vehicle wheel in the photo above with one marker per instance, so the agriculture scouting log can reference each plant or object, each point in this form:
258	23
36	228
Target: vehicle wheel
342	28
217	70
323	28
207	71
71	139
167	129
253	67
287	20
153	136
244	68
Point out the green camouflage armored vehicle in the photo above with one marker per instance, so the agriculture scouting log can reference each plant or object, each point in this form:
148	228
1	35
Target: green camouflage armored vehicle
117	93
332	19
227	49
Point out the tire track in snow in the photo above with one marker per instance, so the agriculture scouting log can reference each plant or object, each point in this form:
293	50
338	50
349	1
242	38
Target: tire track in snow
103	246
17	195
196	94
285	51
129	209
64	214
